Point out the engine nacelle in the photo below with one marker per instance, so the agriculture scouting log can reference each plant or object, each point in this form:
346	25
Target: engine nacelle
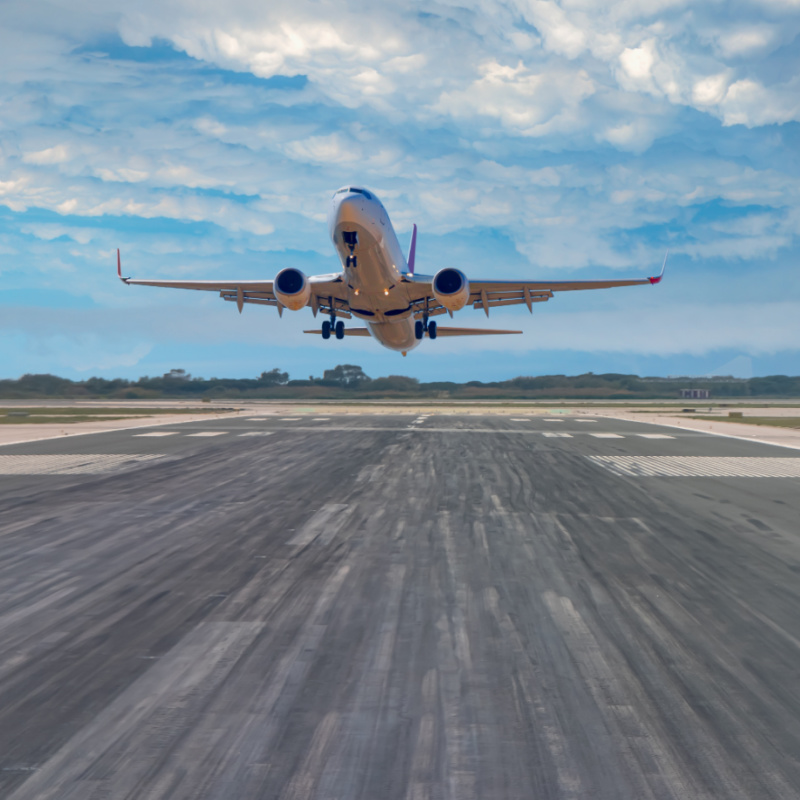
451	288
292	289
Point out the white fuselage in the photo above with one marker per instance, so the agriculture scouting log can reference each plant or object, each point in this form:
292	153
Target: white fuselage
376	293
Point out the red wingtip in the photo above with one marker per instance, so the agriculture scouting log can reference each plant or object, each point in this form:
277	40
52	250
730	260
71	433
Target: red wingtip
658	277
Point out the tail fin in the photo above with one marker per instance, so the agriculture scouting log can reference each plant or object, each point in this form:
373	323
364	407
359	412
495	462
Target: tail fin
412	250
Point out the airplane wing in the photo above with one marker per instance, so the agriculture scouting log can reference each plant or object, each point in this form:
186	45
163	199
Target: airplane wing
441	330
326	290
490	294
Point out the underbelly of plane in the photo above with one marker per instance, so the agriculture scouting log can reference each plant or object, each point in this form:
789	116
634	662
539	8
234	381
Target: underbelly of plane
397	335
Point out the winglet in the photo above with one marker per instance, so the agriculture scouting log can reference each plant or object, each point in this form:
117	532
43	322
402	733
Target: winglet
412	251
661	274
119	268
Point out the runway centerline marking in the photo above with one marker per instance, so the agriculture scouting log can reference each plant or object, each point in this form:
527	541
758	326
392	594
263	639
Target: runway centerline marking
606	436
289	419
208	433
257	433
156	433
557	435
655	436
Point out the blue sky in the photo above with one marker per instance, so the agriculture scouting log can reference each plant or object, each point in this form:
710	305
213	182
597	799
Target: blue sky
526	139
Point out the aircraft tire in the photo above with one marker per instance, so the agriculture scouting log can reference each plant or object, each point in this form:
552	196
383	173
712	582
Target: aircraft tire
340	330
419	331
326	330
432	330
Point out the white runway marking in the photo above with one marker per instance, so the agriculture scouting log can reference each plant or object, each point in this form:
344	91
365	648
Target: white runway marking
585	420
208	433
257	419
156	433
289	419
256	433
606	436
557	435
655	436
520	419
63	464
700	466
552	420
320	419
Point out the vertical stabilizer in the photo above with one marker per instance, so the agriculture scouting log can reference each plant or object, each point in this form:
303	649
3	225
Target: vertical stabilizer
412	250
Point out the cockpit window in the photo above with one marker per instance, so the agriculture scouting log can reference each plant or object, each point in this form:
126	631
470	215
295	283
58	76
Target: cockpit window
354	189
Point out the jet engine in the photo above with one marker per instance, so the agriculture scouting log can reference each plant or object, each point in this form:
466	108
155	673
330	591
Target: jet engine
292	289
451	288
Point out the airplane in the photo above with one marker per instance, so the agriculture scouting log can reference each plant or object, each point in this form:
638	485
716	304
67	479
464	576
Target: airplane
378	285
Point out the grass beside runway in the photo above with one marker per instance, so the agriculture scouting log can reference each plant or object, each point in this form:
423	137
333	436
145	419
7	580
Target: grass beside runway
773	422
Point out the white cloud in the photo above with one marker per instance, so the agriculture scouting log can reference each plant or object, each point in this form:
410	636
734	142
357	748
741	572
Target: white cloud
51	155
530	103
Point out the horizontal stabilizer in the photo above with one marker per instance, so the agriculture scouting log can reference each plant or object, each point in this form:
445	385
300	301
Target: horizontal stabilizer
347	332
441	330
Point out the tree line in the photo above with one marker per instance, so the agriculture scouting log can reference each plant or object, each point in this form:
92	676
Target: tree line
348	380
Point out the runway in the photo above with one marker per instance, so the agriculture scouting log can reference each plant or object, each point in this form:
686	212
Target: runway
399	606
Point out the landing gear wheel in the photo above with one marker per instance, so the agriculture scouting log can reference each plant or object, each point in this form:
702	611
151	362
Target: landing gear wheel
326	330
419	329
351	261
431	330
340	330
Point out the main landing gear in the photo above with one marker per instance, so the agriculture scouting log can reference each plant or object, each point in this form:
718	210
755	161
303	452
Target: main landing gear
420	326
334	326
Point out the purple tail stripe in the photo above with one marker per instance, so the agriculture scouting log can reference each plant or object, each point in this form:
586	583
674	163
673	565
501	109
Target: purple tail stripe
412	250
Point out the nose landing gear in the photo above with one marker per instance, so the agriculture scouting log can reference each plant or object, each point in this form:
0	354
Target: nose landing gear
351	240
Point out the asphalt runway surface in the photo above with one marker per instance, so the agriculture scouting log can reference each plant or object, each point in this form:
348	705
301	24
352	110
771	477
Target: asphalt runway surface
399	607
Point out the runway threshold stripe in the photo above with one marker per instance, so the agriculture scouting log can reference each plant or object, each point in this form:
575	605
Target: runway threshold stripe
699	466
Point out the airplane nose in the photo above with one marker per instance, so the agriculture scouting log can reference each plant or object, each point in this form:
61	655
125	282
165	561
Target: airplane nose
350	209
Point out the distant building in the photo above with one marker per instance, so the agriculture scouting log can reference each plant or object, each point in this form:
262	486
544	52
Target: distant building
694	394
